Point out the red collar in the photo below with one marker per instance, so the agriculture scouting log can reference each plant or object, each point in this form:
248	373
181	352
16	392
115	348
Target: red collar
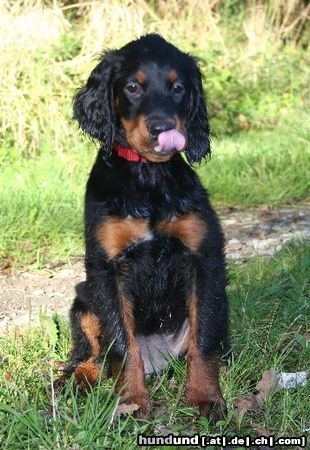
128	153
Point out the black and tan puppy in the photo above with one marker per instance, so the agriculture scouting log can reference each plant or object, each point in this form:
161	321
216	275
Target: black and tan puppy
154	247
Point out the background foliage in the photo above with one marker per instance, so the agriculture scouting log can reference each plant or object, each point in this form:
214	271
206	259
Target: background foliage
247	51
254	57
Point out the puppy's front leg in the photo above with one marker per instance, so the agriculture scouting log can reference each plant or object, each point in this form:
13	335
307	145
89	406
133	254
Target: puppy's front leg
132	380
202	388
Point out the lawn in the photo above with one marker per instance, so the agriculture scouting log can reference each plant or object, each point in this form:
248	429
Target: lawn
257	92
41	218
269	325
256	66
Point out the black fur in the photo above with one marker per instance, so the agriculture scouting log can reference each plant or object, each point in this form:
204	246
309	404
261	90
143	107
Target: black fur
159	274
93	104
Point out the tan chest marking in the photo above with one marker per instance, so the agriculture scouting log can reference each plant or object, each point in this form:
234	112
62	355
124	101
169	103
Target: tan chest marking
116	233
189	228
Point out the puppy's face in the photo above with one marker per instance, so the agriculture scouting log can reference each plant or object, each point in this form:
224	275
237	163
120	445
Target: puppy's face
148	96
149	101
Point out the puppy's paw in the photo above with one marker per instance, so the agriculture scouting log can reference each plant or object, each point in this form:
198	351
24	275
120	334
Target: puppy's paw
86	374
214	410
210	404
140	399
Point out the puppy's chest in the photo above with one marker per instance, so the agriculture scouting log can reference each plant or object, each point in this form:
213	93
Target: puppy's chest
116	233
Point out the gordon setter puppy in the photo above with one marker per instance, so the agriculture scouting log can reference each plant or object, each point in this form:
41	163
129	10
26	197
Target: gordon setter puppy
154	247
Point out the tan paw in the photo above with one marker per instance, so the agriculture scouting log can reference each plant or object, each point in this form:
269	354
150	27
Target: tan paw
140	399
210	404
86	374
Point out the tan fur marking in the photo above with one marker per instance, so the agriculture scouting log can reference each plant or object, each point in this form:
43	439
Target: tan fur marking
141	77
134	372
203	375
91	327
133	378
116	233
189	228
172	76
202	387
139	139
115	368
131	125
86	374
137	134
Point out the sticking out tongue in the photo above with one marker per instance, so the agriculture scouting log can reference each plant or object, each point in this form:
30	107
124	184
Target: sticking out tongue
170	140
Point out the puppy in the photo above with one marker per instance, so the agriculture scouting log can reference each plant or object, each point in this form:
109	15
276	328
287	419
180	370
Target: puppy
154	248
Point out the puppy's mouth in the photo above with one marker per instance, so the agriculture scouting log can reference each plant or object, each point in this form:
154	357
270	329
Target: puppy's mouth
169	142
157	142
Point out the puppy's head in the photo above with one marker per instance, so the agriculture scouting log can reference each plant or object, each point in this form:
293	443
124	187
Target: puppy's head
148	96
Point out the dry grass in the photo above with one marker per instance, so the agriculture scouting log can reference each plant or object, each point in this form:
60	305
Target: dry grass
270	23
28	35
47	48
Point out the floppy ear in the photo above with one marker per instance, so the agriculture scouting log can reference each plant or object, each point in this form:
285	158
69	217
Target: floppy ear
198	138
93	104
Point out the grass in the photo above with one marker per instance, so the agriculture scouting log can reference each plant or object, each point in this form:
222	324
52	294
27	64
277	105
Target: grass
42	203
41	218
254	58
260	167
269	323
47	51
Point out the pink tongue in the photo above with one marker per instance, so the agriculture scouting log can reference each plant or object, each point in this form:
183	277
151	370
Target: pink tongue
171	139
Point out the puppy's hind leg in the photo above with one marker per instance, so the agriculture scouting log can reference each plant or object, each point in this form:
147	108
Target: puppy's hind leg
87	337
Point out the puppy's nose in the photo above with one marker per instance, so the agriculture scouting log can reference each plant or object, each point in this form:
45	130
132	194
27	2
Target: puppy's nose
155	128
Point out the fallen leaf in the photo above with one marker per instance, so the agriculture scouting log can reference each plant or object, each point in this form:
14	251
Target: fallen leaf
7	375
244	404
162	429
267	385
173	383
270	383
265	208
125	410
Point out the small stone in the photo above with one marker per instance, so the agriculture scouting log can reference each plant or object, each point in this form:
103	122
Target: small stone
266	227
234	244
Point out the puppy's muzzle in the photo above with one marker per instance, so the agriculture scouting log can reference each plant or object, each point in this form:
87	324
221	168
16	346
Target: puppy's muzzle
155	127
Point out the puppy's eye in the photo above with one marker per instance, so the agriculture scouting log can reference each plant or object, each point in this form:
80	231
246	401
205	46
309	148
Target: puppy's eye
177	88
133	88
